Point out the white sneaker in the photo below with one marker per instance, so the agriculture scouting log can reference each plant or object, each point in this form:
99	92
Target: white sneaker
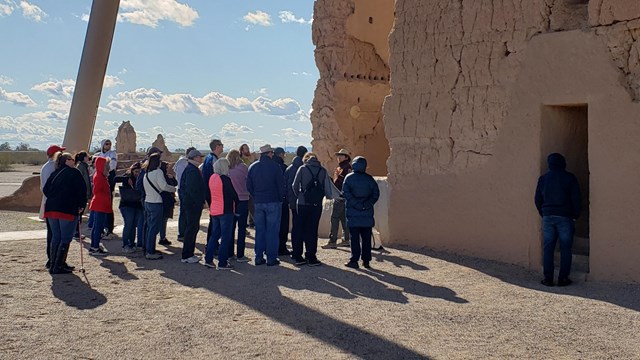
192	260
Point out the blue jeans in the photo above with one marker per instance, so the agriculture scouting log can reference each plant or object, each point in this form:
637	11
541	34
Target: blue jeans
554	228
163	228
223	225
267	219
92	219
99	220
132	220
61	233
154	221
240	221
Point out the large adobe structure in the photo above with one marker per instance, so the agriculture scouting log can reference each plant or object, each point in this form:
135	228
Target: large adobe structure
460	102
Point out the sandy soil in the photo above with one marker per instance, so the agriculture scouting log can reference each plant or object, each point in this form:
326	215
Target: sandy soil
413	304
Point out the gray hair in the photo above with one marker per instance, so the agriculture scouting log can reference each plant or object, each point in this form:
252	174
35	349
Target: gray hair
221	167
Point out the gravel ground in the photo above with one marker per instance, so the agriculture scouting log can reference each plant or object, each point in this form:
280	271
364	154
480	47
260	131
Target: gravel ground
413	304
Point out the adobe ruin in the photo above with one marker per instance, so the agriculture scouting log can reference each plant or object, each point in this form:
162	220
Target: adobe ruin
459	102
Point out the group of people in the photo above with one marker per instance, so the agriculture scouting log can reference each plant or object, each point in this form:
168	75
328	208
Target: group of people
236	190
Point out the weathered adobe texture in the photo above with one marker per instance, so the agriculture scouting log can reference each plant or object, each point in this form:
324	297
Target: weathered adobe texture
352	56
472	85
453	62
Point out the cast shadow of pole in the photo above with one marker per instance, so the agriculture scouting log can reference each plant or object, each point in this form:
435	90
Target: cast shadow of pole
75	292
265	296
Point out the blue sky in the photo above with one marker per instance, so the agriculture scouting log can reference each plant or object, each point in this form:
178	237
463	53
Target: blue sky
191	70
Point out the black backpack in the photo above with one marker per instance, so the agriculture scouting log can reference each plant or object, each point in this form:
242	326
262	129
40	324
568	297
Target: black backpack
314	193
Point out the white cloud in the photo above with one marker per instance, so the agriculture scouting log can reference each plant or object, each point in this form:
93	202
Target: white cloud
258	18
150	13
233	130
16	98
151	101
289	17
62	106
36	129
84	17
5	80
59	88
7	8
31	11
112	81
295	134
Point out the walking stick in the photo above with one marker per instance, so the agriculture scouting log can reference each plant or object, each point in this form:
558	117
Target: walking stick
81	250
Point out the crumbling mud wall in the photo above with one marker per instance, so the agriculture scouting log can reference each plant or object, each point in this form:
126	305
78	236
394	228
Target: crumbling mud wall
470	81
352	53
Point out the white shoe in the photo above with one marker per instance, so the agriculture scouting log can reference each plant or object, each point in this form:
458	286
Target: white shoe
192	260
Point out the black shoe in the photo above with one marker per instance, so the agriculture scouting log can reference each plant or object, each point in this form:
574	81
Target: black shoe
164	242
57	265
299	261
274	263
69	267
564	282
352	264
260	262
314	262
546	282
284	252
48	264
180	239
366	264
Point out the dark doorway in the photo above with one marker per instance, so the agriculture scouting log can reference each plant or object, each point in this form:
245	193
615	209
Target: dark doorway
565	129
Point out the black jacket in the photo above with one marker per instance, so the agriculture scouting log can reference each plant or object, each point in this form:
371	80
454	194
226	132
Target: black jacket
124	179
192	189
289	175
65	191
558	192
343	169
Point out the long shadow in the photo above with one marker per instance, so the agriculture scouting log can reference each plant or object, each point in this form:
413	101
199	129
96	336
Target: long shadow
118	269
265	296
75	292
625	295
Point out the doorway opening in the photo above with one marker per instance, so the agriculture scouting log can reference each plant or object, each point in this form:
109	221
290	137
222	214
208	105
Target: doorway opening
565	130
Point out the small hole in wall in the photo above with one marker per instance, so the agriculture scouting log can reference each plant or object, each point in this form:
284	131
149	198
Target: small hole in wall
382	78
370	20
352	76
345	74
359	76
375	78
358	100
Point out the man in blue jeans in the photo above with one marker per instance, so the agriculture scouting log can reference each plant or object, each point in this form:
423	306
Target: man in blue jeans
265	183
558	201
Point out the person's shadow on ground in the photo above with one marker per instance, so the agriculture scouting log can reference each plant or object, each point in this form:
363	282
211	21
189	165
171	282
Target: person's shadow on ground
75	292
259	287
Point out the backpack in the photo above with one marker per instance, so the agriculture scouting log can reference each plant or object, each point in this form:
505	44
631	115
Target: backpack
314	193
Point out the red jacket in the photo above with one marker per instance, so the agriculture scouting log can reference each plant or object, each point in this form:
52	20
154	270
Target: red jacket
101	200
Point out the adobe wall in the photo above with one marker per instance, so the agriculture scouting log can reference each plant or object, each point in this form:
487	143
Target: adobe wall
352	53
471	82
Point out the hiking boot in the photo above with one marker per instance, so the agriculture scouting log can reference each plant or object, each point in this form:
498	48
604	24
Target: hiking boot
352	264
164	242
344	243
314	262
546	282
243	259
330	245
366	265
564	282
153	256
180	239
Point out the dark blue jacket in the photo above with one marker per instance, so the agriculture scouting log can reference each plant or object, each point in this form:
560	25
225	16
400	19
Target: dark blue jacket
207	171
265	181
361	192
192	190
289	175
558	192
140	184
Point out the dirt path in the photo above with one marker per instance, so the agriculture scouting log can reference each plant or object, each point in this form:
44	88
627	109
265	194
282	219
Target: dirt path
412	305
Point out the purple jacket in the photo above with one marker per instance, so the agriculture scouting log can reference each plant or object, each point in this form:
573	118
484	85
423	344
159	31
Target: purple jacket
238	175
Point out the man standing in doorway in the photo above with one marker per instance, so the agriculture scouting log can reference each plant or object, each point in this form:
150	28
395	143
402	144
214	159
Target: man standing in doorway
338	211
558	201
265	183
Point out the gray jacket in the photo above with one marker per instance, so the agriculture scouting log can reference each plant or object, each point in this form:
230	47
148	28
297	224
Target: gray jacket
304	177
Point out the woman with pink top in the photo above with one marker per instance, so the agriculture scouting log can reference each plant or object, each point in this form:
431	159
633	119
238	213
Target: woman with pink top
238	171
221	210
